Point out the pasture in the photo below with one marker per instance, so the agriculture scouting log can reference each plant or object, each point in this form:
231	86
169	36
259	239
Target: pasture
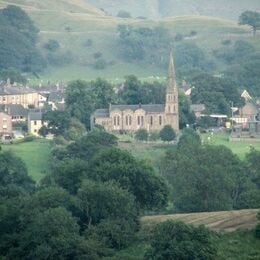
35	155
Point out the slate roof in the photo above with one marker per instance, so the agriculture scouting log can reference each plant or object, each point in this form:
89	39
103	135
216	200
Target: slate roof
101	113
35	115
15	110
150	108
11	90
57	96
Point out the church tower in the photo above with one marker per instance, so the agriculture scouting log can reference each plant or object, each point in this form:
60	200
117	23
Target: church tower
171	102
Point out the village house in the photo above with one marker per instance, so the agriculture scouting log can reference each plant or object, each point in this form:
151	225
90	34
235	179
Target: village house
17	112
5	127
35	122
56	100
20	95
152	117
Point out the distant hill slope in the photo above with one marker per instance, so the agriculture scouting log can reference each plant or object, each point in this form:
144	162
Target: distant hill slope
73	23
219	221
157	8
72	6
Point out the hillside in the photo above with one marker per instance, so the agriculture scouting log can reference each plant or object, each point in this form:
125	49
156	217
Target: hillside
159	8
218	221
73	23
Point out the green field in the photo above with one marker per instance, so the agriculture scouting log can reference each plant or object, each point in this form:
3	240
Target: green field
35	154
238	147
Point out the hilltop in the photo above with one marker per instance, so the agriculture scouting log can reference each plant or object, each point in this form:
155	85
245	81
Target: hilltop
159	8
75	23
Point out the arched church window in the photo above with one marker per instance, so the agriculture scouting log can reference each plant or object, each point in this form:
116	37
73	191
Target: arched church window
126	120
114	120
151	120
130	120
142	120
160	120
118	120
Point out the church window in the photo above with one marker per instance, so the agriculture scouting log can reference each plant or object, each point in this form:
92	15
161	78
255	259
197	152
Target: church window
142	120
151	120
130	120
126	120
118	120
114	120
138	120
174	108
160	120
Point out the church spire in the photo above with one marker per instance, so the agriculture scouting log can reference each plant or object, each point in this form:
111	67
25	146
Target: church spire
171	75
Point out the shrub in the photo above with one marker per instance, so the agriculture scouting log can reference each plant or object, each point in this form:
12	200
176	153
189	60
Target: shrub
257	231
97	55
52	45
177	240
123	14
167	134
141	135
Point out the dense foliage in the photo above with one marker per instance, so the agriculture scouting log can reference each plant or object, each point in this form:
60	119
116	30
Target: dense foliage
18	38
176	240
209	178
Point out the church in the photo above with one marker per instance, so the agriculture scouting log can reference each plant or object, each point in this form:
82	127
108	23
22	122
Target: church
152	117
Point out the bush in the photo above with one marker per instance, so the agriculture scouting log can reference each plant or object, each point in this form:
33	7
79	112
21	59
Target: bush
124	14
52	45
177	240
141	135
97	55
167	134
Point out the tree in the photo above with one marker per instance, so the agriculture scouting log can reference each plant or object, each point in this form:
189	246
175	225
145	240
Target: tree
141	135
89	145
13	74
130	94
167	134
58	121
80	101
123	14
101	201
52	45
52	234
176	240
14	179
203	178
150	190
18	36
250	18
75	130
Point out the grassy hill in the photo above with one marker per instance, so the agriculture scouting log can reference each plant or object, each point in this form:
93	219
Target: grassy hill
158	8
74	22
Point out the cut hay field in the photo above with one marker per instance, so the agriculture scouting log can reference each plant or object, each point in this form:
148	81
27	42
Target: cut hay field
218	221
35	155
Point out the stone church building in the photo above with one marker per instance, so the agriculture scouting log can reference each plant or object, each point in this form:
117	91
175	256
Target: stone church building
152	117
